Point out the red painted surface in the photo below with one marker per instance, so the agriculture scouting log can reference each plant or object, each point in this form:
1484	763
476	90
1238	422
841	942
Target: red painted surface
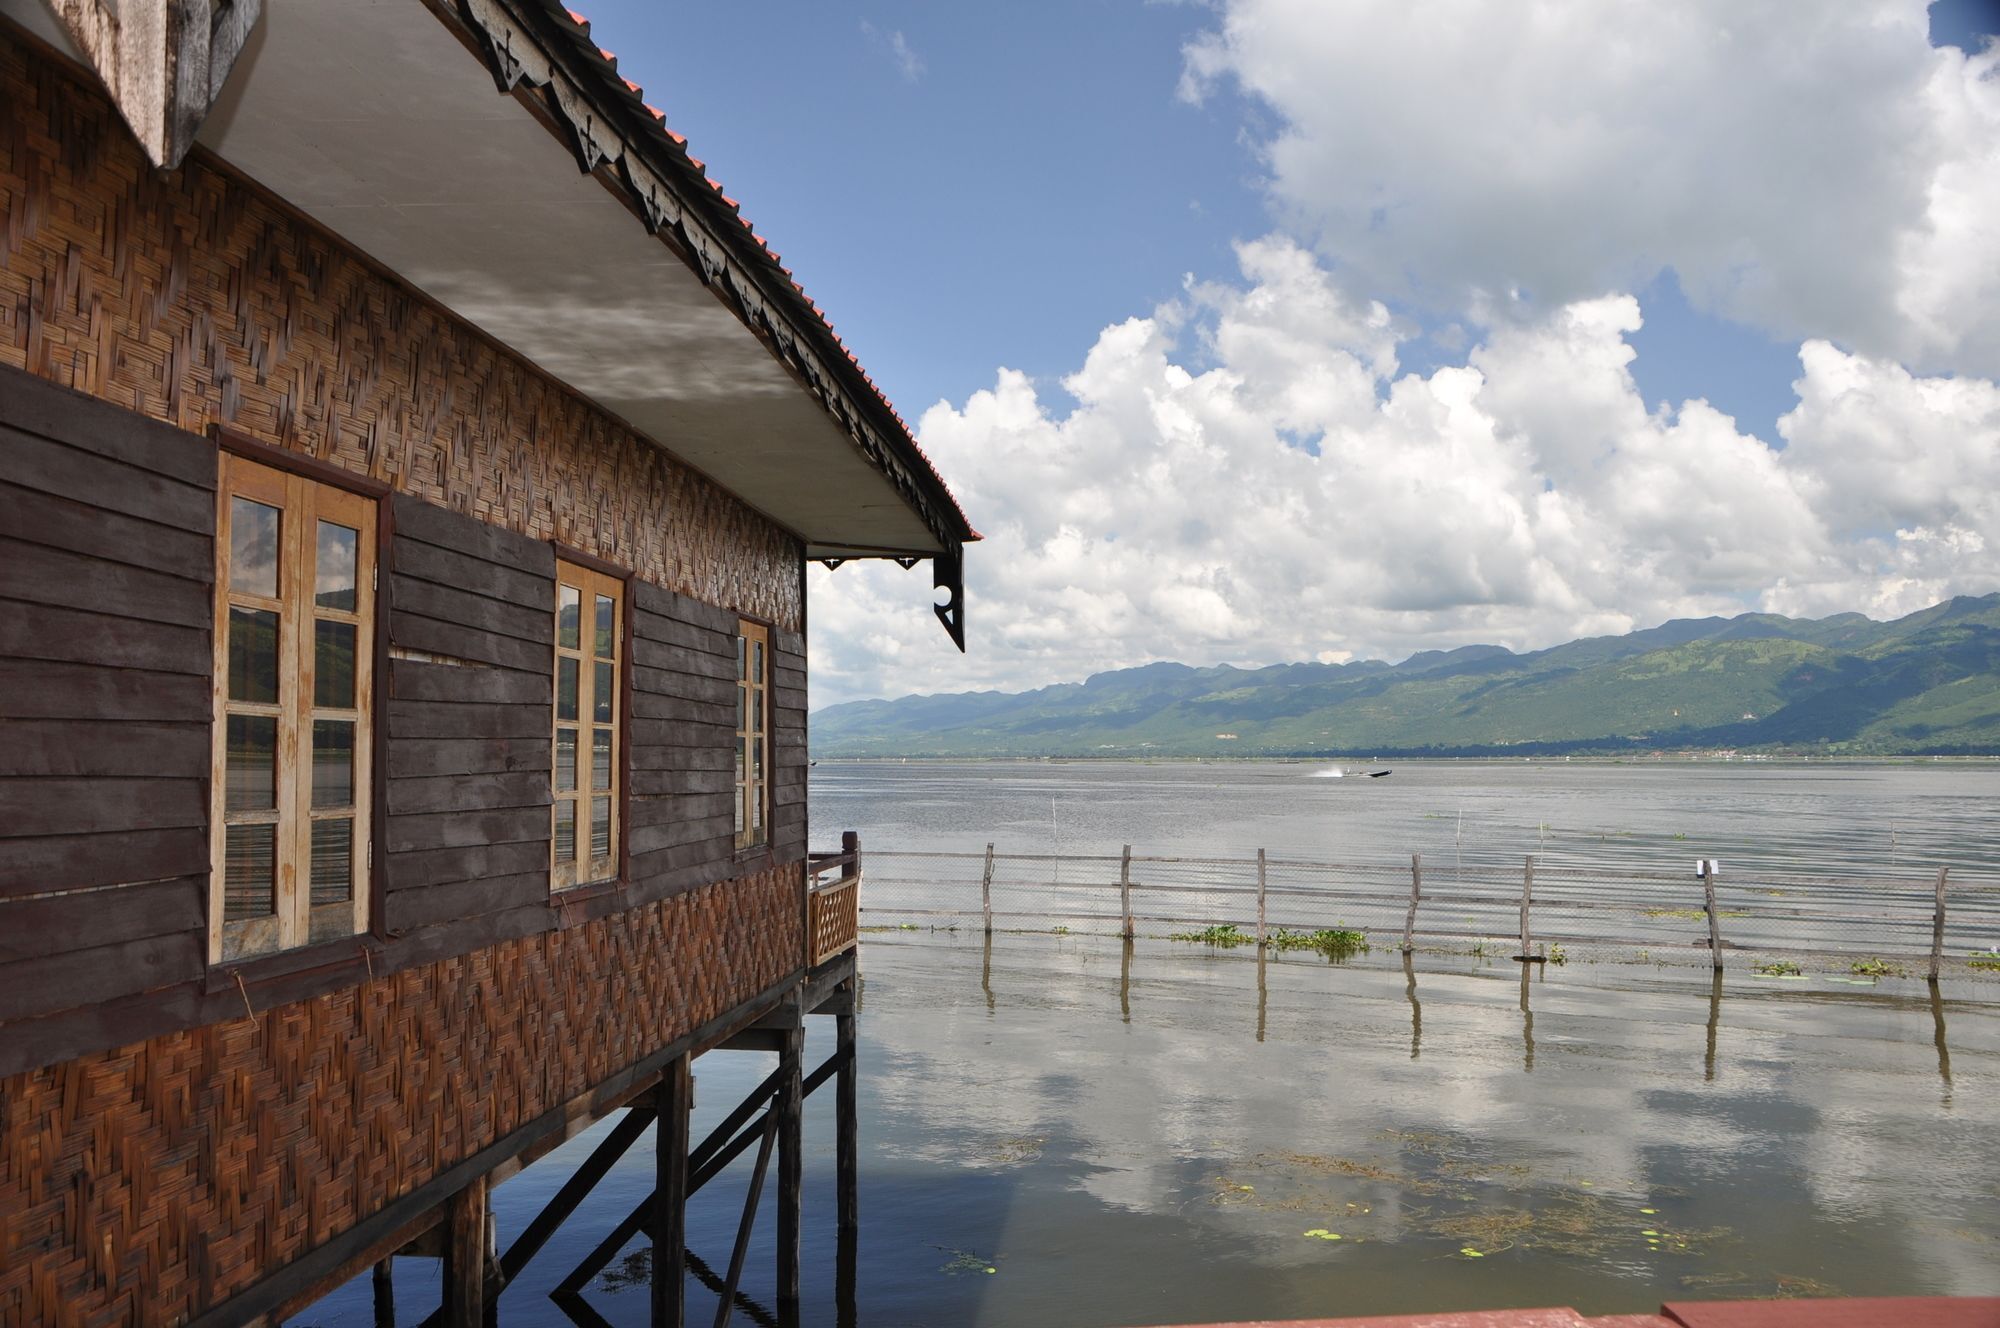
1898	1312
1912	1312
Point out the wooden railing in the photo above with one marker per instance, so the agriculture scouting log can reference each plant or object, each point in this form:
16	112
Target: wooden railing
833	900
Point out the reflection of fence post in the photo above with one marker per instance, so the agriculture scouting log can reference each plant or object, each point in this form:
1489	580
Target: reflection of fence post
1416	893
1527	895
1260	898
1714	919
1125	890
1937	926
986	891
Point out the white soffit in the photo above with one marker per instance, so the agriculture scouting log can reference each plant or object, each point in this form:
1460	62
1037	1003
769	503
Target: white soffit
370	117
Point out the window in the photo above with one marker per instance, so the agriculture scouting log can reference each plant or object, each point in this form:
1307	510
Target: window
585	781
294	650
753	798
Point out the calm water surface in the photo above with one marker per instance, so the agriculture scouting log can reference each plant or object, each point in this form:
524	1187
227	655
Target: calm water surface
1831	817
1148	1136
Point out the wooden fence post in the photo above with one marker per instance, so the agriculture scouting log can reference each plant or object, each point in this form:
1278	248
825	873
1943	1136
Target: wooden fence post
986	891
1937	926
1714	920
1527	955
1260	898
465	1257
1125	890
1416	893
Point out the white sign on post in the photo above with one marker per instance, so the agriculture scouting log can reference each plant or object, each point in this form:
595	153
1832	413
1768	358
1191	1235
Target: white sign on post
1708	866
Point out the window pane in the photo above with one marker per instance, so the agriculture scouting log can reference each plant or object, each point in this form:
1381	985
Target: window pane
565	760
334	568
600	827
757	810
249	872
740	691
333	763
742	654
757	661
333	665
252	769
565	830
332	862
757	711
253	548
607	616
757	760
569	612
739	809
253	655
602	692
600	759
565	689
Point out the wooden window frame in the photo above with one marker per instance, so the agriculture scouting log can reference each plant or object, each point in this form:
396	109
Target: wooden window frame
752	786
591	579
307	492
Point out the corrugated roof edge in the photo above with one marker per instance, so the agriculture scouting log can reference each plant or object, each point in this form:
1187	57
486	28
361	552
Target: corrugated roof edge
648	124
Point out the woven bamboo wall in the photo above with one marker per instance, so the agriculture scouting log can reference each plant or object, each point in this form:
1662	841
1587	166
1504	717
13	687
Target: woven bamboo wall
147	1183
194	298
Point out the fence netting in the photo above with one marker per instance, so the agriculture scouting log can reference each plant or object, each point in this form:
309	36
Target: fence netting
1764	918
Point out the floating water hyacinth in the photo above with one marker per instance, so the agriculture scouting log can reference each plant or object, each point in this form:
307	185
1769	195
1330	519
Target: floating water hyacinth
1321	1233
1471	1253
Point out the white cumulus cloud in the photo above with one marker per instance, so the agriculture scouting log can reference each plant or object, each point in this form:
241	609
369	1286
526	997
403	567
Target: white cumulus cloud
1817	169
1244	477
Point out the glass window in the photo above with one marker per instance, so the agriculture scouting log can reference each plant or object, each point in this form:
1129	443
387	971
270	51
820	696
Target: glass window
294	647
587	720
753	699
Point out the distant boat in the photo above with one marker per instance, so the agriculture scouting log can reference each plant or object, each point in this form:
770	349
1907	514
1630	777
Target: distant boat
1380	774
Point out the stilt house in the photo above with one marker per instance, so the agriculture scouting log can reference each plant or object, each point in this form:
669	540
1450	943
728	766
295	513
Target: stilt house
409	463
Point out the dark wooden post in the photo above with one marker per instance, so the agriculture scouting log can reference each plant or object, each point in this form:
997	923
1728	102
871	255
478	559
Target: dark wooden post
385	1294
1125	891
1714	920
672	1101
986	891
791	1166
847	1165
1527	954
465	1257
1260	904
1416	893
1937	926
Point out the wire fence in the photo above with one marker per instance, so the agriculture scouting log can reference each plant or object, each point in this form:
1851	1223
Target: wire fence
1932	922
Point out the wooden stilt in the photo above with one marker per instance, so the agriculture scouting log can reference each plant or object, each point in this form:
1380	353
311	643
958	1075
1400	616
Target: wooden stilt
385	1294
465	1258
671	1104
791	1171
573	1192
847	1168
742	1247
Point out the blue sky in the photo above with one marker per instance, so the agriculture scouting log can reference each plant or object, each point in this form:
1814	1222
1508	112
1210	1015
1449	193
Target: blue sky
971	188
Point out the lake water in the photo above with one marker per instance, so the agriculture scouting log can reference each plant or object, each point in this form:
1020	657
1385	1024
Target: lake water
1826	817
1165	1133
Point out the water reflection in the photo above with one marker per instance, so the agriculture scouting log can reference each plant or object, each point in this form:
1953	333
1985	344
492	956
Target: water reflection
1416	1010
1937	1040
1527	1023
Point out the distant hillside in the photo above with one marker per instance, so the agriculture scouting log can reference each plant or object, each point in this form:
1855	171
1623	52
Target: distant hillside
1928	683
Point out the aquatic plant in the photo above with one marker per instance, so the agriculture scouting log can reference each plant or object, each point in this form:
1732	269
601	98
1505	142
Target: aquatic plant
1875	968
1333	942
1558	955
1778	968
1224	934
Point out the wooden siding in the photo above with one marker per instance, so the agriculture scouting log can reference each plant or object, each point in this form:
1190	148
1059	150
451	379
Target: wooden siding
467	758
149	1183
788	746
106	528
193	297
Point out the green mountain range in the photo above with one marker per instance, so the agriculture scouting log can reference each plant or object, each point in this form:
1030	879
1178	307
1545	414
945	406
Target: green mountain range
1925	684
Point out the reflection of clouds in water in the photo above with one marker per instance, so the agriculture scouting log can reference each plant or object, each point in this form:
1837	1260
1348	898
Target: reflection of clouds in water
1816	1114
